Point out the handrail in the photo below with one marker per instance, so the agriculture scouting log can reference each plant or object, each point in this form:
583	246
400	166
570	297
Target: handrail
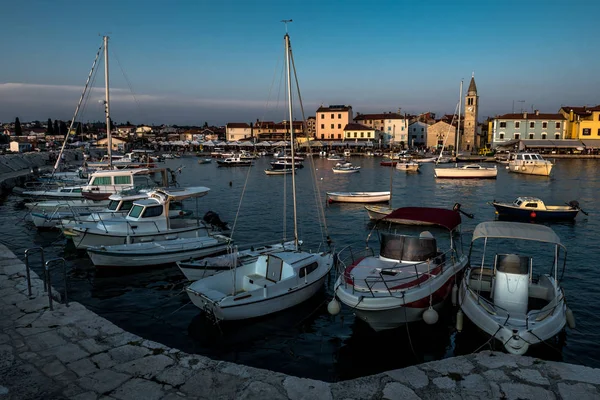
49	264
32	249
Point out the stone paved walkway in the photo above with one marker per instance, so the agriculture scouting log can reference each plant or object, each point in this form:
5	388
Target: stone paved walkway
73	353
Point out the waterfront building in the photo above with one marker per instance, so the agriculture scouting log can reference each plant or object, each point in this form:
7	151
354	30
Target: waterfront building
469	136
359	133
417	134
393	125
237	131
269	130
439	133
527	126
332	120
581	122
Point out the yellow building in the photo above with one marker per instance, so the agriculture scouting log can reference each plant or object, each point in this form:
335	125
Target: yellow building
582	122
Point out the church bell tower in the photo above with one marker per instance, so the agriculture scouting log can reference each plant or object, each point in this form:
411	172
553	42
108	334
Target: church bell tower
469	141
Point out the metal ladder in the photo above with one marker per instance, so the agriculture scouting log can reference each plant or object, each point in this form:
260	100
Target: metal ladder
47	277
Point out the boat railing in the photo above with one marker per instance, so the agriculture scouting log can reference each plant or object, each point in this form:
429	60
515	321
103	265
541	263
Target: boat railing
386	279
496	310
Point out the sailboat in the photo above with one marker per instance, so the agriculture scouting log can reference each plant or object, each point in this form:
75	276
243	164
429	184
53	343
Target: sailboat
465	171
272	282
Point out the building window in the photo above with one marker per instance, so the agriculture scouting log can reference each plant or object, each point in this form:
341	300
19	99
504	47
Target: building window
362	134
586	131
557	136
331	126
517	136
332	116
339	116
532	124
598	131
502	124
544	125
544	136
322	126
339	136
355	134
517	125
322	116
558	125
339	126
322	136
531	136
501	136
421	129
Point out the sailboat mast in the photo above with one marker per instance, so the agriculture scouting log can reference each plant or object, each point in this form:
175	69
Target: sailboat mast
458	126
107	103
289	89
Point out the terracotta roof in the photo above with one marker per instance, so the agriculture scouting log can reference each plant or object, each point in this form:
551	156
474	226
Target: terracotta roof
357	127
580	110
334	108
238	125
362	117
531	116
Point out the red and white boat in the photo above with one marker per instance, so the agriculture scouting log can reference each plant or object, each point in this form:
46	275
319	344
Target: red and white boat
410	278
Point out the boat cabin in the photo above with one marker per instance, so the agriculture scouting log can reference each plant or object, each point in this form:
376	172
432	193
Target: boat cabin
529	203
527	157
408	248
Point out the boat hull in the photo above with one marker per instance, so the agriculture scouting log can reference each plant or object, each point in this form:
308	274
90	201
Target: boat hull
359	197
378	212
459	173
516	213
155	253
531	169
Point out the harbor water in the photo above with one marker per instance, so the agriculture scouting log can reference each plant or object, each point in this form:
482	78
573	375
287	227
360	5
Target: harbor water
305	340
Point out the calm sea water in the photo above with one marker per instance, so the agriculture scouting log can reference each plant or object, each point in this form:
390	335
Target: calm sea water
305	340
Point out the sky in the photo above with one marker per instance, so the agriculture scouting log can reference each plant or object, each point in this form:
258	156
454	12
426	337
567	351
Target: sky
187	62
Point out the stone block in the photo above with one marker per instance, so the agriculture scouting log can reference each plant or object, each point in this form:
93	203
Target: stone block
54	368
397	391
103	360
412	376
175	375
146	367
139	389
518	391
45	340
493	360
261	390
572	372
103	381
83	367
306	389
127	353
531	376
66	353
7	356
444	383
578	391
459	365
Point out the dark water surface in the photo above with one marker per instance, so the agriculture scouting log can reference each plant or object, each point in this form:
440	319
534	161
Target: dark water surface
306	341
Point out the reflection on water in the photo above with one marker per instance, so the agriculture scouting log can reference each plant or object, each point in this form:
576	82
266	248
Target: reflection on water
305	340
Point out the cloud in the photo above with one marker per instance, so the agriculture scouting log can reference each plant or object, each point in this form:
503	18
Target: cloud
39	102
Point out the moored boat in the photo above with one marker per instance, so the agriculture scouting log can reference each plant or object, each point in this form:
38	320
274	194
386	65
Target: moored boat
532	208
505	297
529	163
345	168
410	278
470	171
358	197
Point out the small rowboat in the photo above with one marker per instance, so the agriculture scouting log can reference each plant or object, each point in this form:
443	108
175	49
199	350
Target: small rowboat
358	197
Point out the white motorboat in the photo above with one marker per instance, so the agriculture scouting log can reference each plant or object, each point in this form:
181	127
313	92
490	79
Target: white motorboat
286	163
157	252
469	171
409	166
345	168
529	163
410	278
104	183
202	268
335	157
504	297
147	221
271	283
66	204
67	192
234	162
376	212
358	197
425	160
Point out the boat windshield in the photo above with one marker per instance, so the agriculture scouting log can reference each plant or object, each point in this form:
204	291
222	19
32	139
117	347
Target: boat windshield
112	206
136	211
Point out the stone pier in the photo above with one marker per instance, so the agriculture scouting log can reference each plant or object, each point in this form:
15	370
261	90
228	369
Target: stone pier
72	353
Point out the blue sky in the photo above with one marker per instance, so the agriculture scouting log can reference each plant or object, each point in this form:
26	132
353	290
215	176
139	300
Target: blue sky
190	62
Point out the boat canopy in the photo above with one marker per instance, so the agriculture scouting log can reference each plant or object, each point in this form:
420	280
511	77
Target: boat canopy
448	219
515	230
181	193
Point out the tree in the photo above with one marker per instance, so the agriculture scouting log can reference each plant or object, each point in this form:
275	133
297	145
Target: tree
205	124
18	131
49	128
63	128
55	129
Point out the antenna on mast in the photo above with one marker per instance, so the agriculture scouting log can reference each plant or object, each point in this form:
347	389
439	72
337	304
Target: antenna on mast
286	21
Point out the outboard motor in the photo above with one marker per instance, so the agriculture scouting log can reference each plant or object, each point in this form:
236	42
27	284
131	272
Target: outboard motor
213	219
574	204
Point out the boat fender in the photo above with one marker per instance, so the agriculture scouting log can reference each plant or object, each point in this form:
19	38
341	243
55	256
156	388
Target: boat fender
459	320
454	294
333	307
430	316
570	318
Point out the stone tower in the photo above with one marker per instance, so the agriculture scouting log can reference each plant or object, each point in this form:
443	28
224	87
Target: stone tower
469	136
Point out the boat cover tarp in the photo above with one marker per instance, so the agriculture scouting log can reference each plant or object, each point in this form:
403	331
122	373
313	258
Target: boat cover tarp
448	219
515	230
